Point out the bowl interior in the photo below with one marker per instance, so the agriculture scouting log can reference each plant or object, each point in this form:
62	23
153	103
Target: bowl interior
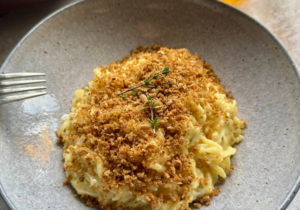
68	46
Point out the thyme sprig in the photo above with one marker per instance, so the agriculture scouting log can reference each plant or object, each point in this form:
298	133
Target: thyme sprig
154	122
136	93
152	105
148	80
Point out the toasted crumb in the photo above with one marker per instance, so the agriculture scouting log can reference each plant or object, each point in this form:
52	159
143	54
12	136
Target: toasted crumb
110	145
206	198
67	180
59	136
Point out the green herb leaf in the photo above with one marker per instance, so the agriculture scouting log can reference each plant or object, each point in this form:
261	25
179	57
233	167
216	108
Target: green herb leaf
166	70
149	98
153	104
156	73
155	76
122	96
151	122
136	93
149	85
155	122
143	109
147	82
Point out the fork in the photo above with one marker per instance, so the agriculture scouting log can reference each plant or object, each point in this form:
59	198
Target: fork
10	98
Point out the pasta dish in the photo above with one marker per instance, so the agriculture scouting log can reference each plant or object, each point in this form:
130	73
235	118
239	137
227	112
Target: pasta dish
154	130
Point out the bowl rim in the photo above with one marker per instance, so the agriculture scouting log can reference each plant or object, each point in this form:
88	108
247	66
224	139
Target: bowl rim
296	186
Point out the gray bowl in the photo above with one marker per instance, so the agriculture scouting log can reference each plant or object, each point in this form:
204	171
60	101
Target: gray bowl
69	44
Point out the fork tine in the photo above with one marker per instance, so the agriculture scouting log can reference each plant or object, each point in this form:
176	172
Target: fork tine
22	82
8	99
17	75
15	90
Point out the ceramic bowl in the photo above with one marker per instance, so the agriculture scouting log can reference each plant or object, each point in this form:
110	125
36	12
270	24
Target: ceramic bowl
69	44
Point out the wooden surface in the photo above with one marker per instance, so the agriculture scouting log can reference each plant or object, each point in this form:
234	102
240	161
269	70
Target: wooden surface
280	17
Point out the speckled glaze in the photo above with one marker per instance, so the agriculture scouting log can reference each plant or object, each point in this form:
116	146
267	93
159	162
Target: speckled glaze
69	45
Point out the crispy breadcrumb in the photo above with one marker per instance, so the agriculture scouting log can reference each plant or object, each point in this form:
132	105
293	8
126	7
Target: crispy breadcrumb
119	134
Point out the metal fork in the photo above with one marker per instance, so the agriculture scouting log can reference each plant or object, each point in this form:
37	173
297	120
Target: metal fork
10	98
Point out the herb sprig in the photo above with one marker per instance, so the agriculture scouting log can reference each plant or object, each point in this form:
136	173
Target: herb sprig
154	123
148	80
152	105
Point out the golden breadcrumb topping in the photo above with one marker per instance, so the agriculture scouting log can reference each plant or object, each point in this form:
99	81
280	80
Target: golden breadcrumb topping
110	137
